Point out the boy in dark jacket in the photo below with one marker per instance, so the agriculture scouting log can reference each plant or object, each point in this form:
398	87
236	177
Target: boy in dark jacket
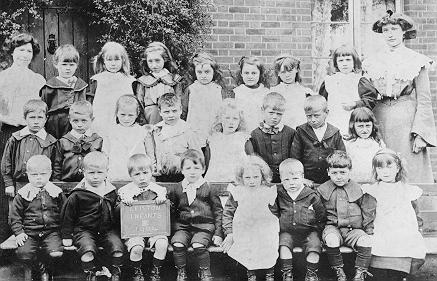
316	139
35	216
31	140
343	200
272	140
196	216
89	219
301	219
77	143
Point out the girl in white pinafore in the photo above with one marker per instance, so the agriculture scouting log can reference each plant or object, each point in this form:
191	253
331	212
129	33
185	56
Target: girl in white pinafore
111	82
346	89
253	236
397	243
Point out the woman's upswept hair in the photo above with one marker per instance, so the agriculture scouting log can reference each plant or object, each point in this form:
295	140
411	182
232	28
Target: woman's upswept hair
263	72
228	104
114	49
202	58
169	62
363	114
253	161
21	39
386	157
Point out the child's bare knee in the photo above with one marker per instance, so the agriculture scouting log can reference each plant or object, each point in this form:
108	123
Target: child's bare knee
285	252
136	251
117	254
332	241
161	244
313	257
364	241
56	254
197	245
179	245
88	256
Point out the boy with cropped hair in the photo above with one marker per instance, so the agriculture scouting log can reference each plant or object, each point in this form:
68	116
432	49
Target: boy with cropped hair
343	200
316	139
172	136
31	140
89	219
272	140
196	216
301	218
34	217
61	91
140	168
77	143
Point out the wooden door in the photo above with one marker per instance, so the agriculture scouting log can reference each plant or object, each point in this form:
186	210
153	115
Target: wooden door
66	26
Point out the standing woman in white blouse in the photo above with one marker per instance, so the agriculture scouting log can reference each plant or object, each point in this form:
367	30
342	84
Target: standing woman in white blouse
18	84
404	111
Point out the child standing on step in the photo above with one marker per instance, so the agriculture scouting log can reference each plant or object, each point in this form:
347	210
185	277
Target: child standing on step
252	230
302	217
142	188
196	216
343	200
34	217
398	246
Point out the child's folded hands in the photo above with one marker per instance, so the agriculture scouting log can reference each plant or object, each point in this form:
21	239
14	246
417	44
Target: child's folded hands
217	240
160	200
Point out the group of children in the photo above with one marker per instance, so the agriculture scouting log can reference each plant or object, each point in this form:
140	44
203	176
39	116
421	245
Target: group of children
137	124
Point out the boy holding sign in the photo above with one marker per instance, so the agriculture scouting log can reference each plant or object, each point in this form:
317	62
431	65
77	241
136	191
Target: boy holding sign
142	188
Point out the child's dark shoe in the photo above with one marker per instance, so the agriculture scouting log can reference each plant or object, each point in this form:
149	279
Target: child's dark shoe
155	273
45	275
287	275
251	275
341	276
182	273
270	276
205	274
115	273
90	275
137	274
361	273
311	275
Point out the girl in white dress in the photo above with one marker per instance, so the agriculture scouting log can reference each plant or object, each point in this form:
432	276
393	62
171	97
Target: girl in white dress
287	70
111	81
346	89
252	79
363	143
252	231
228	143
202	99
398	246
125	138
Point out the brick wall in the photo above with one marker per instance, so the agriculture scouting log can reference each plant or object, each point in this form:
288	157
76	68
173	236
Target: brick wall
424	12
266	28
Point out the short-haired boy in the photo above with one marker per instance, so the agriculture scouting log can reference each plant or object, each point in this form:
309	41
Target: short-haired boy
61	91
172	136
31	140
34	216
316	139
301	218
196	216
343	200
77	143
272	140
88	217
141	188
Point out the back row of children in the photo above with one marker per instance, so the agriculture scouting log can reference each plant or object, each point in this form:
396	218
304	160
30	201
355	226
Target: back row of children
259	222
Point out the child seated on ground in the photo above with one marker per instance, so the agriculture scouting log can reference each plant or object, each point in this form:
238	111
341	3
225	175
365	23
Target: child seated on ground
77	143
196	216
343	200
142	188
302	217
88	217
316	139
31	140
32	230
272	139
172	136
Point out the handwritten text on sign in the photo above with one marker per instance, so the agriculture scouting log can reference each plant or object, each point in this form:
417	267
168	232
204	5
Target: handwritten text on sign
145	219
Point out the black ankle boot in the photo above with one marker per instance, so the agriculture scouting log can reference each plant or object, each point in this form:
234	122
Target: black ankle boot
90	274
311	275
137	274
155	273
44	272
115	273
287	275
361	273
251	275
182	273
341	276
205	274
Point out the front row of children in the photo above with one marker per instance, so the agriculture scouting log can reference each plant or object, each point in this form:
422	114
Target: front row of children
377	219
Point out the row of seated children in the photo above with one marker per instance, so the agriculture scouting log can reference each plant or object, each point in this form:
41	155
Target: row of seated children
276	217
